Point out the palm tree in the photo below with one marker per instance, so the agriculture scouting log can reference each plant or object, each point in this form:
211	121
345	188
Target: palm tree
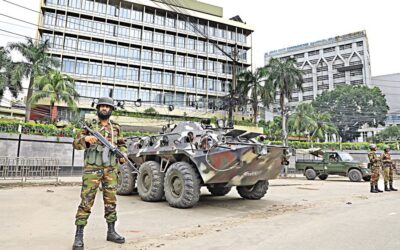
303	118
6	79
255	84
37	62
323	126
57	87
285	77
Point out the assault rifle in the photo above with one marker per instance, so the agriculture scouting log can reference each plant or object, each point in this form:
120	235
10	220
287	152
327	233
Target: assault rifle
109	146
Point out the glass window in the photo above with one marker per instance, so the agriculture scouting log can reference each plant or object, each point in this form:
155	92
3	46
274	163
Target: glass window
210	65
180	61
200	83
108	71
49	18
133	74
211	31
169	40
170	21
121	72
119	93
74	3
168	78
110	49
134	54
136	33
137	14
81	67
58	41
113	8
145	75
148	36
100	6
159	20
181	24
87	5
148	17
168	98
190	44
168	59
190	82
146	55
180	42
210	48
49	38
68	65
157	57
94	69
190	62
211	84
179	80
145	95
158	38
156	77
190	100
200	46
123	31
104	91
200	64
132	94
122	51
125	10
60	20
156	97
180	99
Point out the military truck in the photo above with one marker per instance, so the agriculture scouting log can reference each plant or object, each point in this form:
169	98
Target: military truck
175	164
321	164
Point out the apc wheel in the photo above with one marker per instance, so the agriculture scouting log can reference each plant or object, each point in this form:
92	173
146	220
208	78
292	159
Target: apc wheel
355	175
310	174
182	185
323	176
150	181
254	192
219	190
126	180
367	178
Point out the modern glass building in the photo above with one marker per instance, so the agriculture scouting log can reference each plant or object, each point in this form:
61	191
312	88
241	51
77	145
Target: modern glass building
328	63
162	54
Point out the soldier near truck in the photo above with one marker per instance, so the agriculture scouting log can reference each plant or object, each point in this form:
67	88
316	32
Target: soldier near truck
100	166
388	167
375	164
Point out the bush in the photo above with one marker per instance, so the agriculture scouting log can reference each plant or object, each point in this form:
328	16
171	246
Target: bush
35	129
334	145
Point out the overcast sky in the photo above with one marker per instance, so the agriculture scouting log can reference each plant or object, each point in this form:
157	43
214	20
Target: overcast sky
283	23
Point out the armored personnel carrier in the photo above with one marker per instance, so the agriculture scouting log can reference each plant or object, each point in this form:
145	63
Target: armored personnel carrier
177	163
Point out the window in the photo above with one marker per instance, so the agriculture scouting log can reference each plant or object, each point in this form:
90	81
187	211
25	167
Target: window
133	74
200	46
210	47
168	78
345	46
313	53
180	42
169	59
119	93
113	8
137	14
122	51
159	38
180	61
148	36
200	83
75	4
190	62
60	20
170	21
168	98
157	77
148	17
145	75
131	94
58	41
330	49
211	84
125	11
360	44
121	72
108	71
159	20
100	6
94	69
169	40
88	5
190	44
136	33
110	49
134	54
200	64
68	65
81	67
157	57
181	24
123	31
49	19
156	97
210	67
180	99
179	80
145	95
190	82
218	66
146	55
47	37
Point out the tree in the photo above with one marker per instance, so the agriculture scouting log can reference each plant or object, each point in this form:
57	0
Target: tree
302	119
391	133
272	129
351	107
6	78
57	87
285	77
322	126
36	62
254	84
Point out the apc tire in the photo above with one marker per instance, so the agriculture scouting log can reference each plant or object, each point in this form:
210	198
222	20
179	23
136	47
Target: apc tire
182	185
254	192
126	180
219	190
310	174
367	178
150	182
323	177
355	175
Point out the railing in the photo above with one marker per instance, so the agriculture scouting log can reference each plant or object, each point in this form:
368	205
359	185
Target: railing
25	168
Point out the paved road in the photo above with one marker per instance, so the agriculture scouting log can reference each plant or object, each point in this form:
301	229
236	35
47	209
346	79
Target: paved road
296	214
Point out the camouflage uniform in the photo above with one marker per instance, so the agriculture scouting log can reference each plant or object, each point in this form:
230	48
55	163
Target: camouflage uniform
375	167
96	171
387	168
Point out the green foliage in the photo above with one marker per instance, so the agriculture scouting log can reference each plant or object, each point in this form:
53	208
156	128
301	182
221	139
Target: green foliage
351	107
391	133
333	145
135	133
150	111
6	79
273	129
11	127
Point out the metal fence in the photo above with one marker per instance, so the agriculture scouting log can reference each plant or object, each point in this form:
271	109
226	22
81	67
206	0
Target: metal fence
25	168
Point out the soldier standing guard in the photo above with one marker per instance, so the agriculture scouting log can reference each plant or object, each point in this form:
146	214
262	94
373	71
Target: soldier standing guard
100	166
375	167
388	169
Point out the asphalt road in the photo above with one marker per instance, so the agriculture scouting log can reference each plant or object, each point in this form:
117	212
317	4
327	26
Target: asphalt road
295	214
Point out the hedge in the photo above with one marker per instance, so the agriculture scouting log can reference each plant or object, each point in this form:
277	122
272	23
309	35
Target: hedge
334	145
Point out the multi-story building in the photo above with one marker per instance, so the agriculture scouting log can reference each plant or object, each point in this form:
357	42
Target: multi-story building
328	63
148	50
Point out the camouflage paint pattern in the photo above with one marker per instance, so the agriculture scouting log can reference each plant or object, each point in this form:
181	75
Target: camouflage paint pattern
387	168
96	172
91	179
375	167
230	161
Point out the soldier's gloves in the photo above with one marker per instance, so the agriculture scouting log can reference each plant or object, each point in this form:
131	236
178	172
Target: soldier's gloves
90	139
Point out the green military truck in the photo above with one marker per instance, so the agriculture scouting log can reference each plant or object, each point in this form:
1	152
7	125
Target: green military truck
318	163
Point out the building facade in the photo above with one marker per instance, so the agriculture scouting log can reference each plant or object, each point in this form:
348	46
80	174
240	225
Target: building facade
327	64
148	50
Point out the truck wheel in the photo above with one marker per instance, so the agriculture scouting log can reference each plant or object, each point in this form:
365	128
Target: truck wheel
323	176
355	175
150	181
182	185
218	190
367	178
126	180
310	174
254	192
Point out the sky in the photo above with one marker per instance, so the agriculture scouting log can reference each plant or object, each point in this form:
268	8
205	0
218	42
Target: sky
280	24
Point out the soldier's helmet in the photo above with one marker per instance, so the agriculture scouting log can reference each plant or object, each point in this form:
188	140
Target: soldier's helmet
372	146
387	148
106	101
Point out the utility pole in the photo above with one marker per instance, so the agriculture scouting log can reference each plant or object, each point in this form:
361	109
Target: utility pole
233	87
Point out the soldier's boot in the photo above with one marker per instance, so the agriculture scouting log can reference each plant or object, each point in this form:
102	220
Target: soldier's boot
78	243
386	188
377	189
114	236
373	189
392	188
